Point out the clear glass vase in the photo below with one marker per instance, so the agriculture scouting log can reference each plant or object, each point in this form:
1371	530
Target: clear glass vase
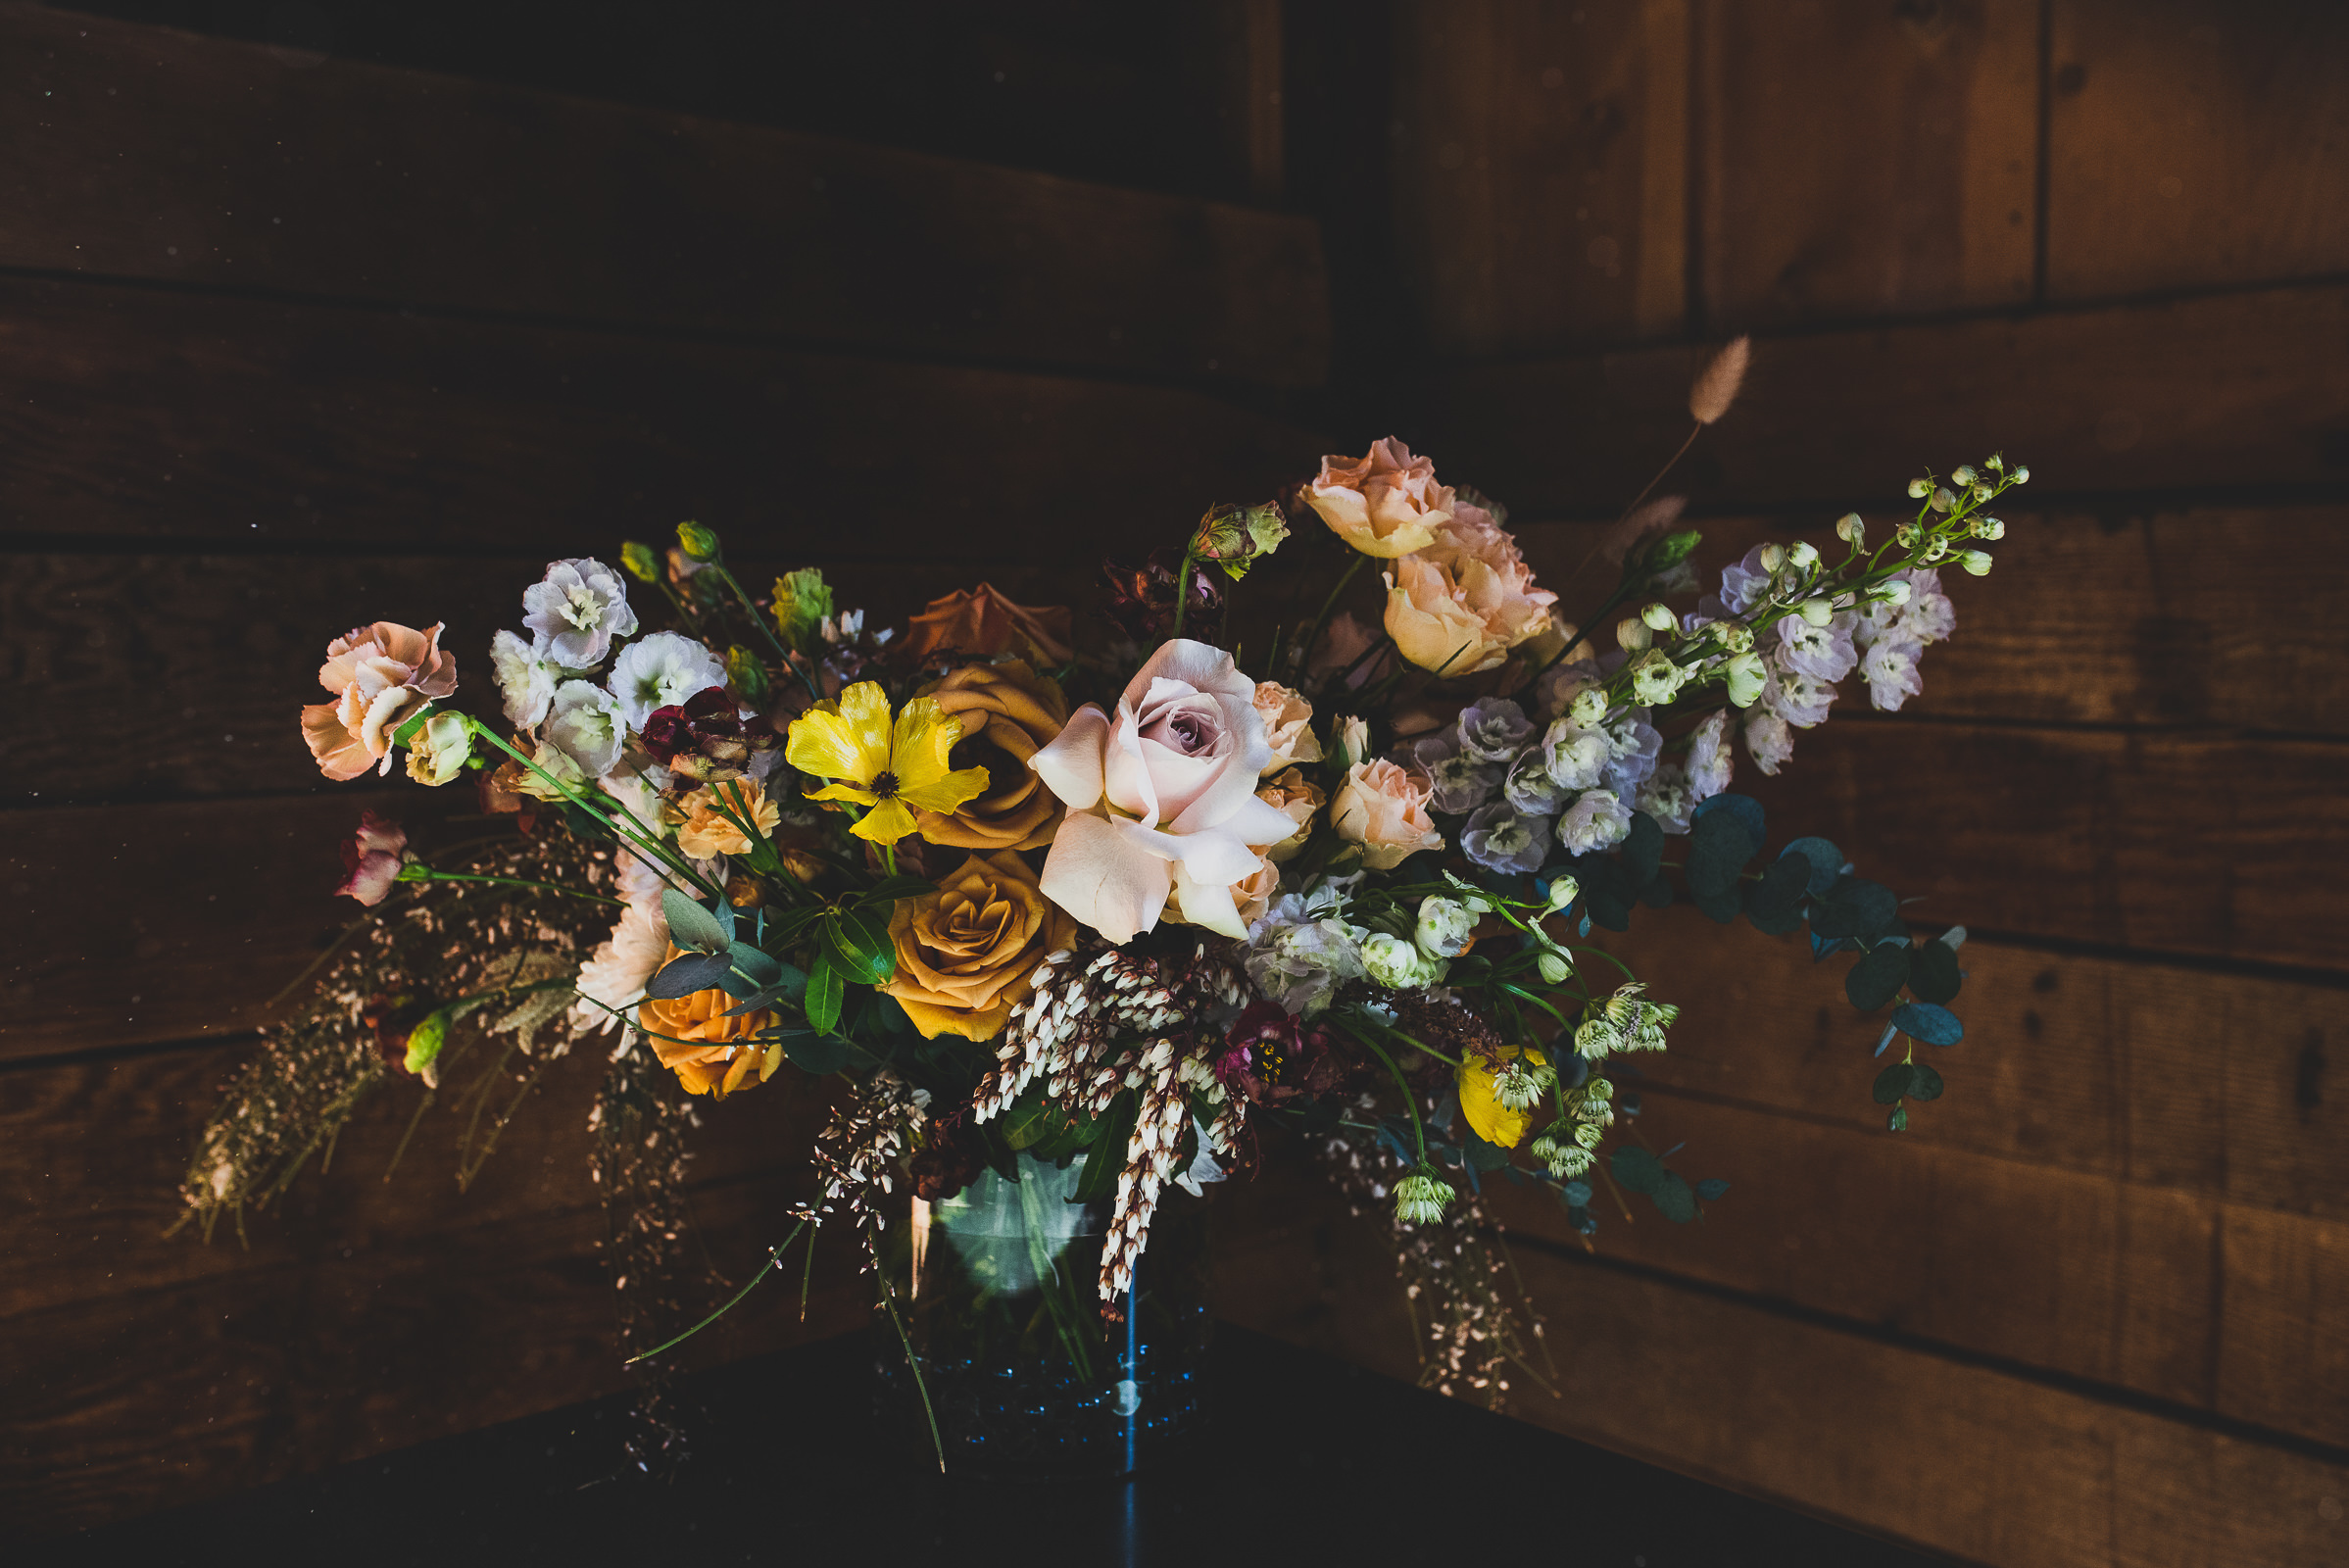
996	1288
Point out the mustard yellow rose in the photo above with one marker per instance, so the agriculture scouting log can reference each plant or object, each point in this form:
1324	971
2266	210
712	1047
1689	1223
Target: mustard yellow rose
1007	713
966	952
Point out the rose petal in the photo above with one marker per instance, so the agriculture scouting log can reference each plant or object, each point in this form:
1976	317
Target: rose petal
1071	765
1100	873
1209	904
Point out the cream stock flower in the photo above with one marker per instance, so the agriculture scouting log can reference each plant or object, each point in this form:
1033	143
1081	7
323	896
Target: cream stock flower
1385	810
1387	504
1459	606
1161	798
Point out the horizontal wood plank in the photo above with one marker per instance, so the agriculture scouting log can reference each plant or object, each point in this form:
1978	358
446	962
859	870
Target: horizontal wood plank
2138	614
147	153
220	649
92	1153
132	413
1885	1437
2194	143
153	1399
2238	391
2213	1083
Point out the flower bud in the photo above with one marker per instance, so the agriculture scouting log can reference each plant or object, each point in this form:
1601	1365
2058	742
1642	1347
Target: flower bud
1444	926
1964	474
1563	891
643	564
1744	675
1936	550
1996	462
1588	707
746	674
1893	592
424	1041
2021	475
1773	557
1554	967
1732	635
1804	555
1850	529
1976	562
1919	489
1989	529
1632	635
1816	612
1943	500
1660	617
1906	536
698	543
1655	678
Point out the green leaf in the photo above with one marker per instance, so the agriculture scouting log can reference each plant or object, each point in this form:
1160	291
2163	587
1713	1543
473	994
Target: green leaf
801	601
1673	1198
814	1053
1673	548
1105	1160
1879	976
1711	1189
1030	1123
1935	976
857	941
685	975
825	989
755	962
1857	908
1893	1083
1773	903
1924	1082
1825	860
1637	1170
1719	846
1922	1020
692	926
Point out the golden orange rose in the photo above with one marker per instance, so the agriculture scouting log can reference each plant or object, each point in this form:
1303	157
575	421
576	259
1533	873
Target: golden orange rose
1008	713
966	952
982	622
709	1053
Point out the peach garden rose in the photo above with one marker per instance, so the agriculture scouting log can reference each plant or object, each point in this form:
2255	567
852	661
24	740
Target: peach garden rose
1386	503
1459	606
1385	810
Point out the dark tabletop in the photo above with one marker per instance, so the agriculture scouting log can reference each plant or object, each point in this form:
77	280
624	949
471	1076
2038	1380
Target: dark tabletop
1309	1462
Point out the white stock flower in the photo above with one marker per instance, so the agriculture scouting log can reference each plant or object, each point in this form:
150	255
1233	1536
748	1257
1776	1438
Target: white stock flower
662	670
583	723
577	610
525	681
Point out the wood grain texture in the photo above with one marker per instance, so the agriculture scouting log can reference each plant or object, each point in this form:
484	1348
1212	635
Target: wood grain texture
1540	171
152	154
2172	843
94	1151
135	414
148	1399
222	647
2216	1085
2246	391
2195	143
1866	160
2137	614
1953	1457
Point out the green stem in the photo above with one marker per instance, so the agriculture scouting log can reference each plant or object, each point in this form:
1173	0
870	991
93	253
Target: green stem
913	1365
1419	1132
640	835
1313	633
773	1256
417	871
750	606
1182	586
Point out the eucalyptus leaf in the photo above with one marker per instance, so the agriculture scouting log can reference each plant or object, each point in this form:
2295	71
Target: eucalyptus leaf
685	975
1825	860
756	963
1674	1198
1925	1083
1855	908
1923	1020
1712	1189
1773	902
1935	976
692	926
1893	1083
1636	1170
1879	976
815	1054
1642	850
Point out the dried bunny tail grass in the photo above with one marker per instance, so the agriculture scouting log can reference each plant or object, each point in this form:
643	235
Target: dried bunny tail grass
1715	385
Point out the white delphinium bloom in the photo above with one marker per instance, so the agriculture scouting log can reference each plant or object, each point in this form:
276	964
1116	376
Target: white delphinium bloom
577	610
1445	927
1528	786
1890	671
1667	798
1710	759
1301	950
1574	756
1771	739
1596	820
620	967
1632	747
1656	678
1797	697
1823	651
583	723
525	681
1397	964
662	670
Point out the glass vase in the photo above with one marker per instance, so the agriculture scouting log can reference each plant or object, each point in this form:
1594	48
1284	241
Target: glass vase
996	1290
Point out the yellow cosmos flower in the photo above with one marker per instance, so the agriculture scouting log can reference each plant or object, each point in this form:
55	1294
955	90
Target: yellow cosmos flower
892	770
1495	1123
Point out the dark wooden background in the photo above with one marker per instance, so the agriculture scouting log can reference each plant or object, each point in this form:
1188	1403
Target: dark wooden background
318	314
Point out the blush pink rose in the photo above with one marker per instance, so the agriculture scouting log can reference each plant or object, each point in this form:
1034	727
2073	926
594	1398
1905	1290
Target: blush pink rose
1387	504
1385	810
380	675
1459	606
1287	726
1161	798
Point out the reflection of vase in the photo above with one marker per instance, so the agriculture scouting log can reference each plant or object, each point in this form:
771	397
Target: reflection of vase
997	1289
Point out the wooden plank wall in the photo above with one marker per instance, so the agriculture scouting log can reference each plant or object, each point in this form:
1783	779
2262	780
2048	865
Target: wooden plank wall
291	344
2094	1307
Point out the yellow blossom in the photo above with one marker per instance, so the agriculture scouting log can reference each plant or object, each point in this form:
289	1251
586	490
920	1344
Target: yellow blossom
892	770
703	827
1495	1123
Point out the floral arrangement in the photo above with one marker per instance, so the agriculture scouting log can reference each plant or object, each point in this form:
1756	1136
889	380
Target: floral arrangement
1136	904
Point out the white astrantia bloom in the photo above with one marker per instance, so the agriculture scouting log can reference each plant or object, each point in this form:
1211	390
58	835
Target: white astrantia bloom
525	681
583	723
577	612
661	671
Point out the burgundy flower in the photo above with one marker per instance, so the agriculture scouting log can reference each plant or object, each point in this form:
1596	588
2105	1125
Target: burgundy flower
1141	599
1270	1056
373	857
703	738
